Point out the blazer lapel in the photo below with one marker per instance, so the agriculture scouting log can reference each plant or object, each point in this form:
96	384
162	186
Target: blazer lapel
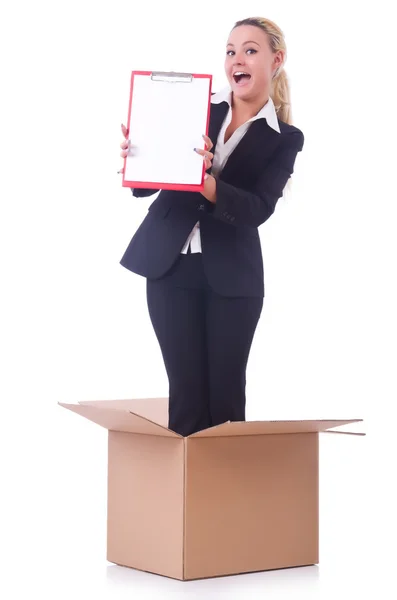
256	147
252	152
217	116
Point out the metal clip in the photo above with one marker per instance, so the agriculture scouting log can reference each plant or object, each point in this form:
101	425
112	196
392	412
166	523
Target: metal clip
171	77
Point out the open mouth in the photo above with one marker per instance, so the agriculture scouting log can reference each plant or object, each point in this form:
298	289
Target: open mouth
240	77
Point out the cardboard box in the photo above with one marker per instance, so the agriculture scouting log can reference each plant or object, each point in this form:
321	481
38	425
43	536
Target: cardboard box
235	498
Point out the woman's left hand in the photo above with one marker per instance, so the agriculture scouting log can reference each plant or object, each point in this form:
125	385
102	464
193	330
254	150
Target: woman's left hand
209	191
206	154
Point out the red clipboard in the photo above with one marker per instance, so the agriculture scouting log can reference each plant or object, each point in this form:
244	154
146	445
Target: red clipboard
149	113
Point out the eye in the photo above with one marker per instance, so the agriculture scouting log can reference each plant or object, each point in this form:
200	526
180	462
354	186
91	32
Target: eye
231	52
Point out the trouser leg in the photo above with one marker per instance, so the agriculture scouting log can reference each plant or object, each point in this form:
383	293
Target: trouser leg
230	328
178	319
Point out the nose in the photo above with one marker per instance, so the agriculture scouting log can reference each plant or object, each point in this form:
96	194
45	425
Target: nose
239	58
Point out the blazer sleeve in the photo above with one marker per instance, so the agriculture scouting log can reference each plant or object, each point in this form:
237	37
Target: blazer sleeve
143	192
252	208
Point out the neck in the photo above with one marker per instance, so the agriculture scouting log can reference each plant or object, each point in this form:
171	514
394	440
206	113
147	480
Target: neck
245	109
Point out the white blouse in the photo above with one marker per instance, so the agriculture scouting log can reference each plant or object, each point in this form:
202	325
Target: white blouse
224	149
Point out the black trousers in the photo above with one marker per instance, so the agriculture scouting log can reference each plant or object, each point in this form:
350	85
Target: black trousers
205	340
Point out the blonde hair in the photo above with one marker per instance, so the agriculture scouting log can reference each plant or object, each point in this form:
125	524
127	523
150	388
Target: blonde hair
280	89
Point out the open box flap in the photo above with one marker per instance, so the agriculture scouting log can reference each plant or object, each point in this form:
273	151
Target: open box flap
232	428
153	409
117	419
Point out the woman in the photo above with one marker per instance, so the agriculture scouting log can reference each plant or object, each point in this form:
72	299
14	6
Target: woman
201	252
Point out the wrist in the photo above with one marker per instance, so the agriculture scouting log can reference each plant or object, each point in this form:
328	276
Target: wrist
209	191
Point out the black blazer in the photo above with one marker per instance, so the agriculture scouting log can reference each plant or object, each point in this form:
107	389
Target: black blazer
248	188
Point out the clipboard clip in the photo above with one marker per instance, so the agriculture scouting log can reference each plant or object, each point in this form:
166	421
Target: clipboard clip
171	77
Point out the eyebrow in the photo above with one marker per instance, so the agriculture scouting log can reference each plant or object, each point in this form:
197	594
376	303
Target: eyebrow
248	42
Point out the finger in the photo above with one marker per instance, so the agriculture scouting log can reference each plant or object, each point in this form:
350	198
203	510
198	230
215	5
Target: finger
207	162
129	150
124	144
124	130
208	142
204	153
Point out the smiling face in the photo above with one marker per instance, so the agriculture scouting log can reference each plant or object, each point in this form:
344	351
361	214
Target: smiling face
250	62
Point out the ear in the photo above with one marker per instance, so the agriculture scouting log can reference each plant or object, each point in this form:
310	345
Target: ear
278	61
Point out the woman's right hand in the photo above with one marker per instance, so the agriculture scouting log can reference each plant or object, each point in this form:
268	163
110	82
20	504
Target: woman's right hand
125	143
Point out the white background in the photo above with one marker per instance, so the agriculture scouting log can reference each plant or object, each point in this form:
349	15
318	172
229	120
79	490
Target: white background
74	324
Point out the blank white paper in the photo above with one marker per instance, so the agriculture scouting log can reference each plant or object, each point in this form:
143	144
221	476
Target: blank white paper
167	121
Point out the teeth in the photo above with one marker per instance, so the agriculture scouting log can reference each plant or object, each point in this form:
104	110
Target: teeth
240	73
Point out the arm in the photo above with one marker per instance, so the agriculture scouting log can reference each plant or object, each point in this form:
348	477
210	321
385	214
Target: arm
143	192
252	208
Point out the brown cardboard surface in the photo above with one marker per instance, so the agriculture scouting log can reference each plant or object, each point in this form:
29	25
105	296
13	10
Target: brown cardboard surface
154	409
242	428
120	420
145	503
346	432
251	504
234	498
